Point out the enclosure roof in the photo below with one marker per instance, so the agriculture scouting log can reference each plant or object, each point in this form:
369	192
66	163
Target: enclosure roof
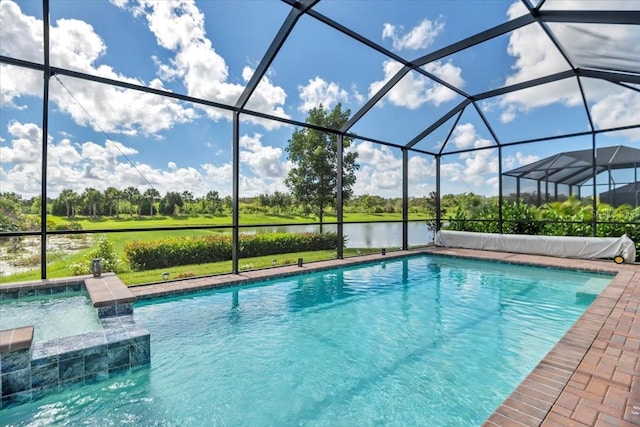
593	46
207	94
576	167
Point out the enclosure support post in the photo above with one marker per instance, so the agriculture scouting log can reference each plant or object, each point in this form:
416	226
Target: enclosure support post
235	244
594	205
405	199
438	195
500	189
546	189
45	132
339	195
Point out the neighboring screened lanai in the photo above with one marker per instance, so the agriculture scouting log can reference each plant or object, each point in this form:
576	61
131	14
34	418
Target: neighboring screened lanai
575	169
130	107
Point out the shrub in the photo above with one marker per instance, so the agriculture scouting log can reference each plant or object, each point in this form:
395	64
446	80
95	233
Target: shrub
69	225
102	249
110	260
185	275
162	253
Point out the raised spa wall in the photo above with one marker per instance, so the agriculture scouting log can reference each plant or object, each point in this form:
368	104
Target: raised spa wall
30	370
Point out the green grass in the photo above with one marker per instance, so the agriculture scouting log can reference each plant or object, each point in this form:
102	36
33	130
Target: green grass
58	262
224	267
127	221
59	268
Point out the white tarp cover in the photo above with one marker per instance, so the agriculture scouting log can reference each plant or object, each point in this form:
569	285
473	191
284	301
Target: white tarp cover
560	246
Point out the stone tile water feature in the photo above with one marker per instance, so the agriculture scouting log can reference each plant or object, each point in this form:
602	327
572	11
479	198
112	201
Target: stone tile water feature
29	369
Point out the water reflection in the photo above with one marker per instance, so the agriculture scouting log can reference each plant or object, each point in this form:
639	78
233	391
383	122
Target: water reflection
367	235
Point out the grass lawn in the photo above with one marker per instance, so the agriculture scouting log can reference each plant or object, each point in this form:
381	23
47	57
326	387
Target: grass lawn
127	221
59	267
59	261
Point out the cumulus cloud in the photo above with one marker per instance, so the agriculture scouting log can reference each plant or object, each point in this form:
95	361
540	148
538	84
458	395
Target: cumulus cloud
464	136
614	106
179	27
534	56
474	166
320	92
381	171
25	144
79	165
414	90
519	159
419	37
75	45
264	161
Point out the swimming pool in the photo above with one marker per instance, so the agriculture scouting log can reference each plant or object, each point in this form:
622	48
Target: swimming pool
425	340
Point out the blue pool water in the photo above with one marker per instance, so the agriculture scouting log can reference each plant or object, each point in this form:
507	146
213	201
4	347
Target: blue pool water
419	341
53	316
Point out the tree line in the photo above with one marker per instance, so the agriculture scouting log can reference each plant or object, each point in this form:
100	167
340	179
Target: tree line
133	202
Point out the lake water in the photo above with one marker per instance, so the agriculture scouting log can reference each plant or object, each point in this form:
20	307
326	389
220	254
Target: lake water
369	235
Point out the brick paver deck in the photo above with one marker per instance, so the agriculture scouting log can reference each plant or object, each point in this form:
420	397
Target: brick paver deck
590	378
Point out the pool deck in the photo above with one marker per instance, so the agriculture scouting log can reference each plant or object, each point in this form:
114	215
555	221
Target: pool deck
590	378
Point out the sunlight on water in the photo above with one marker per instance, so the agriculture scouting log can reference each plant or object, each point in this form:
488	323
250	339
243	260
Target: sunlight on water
420	341
58	316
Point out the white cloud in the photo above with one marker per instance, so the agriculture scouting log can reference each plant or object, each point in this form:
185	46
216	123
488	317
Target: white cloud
464	136
179	27
419	37
616	106
90	164
359	98
25	144
478	163
264	161
21	155
18	33
414	90
591	46
75	45
267	98
519	159
507	116
473	167
320	92
380	171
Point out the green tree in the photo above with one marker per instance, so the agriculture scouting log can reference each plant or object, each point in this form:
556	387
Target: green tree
91	197
151	194
132	195
214	204
312	180
11	212
69	198
36	205
112	198
188	199
169	202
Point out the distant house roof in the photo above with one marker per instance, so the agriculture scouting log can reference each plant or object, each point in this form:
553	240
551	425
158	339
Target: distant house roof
575	167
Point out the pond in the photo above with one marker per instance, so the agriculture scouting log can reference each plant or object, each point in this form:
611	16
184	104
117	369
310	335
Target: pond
366	235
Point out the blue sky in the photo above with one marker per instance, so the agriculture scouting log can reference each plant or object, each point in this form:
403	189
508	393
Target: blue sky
102	136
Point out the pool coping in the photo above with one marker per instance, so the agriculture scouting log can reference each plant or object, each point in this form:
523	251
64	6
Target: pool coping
591	377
